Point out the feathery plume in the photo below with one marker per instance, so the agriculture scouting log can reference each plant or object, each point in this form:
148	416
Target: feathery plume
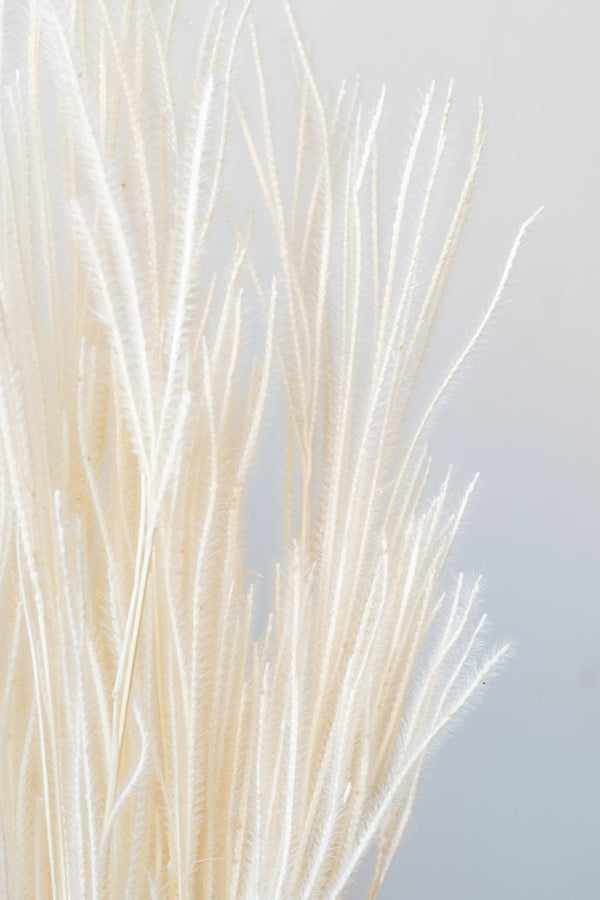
151	743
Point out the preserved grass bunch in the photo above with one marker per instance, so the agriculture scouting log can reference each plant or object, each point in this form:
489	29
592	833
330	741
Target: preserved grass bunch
152	743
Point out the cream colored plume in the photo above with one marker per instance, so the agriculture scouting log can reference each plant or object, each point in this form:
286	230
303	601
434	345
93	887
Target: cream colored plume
153	741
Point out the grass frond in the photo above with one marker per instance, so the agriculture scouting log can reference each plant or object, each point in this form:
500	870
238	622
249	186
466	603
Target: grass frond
154	739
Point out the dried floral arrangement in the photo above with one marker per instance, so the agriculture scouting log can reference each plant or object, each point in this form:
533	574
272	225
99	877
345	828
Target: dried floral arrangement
151	743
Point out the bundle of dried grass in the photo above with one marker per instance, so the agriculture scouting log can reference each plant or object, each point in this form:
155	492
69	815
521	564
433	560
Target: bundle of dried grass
150	743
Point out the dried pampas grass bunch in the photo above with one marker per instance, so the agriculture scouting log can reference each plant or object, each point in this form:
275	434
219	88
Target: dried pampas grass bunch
153	743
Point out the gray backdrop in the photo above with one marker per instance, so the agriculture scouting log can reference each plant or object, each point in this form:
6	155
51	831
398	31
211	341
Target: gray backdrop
509	806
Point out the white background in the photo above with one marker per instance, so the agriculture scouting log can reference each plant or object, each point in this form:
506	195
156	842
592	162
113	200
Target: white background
510	805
